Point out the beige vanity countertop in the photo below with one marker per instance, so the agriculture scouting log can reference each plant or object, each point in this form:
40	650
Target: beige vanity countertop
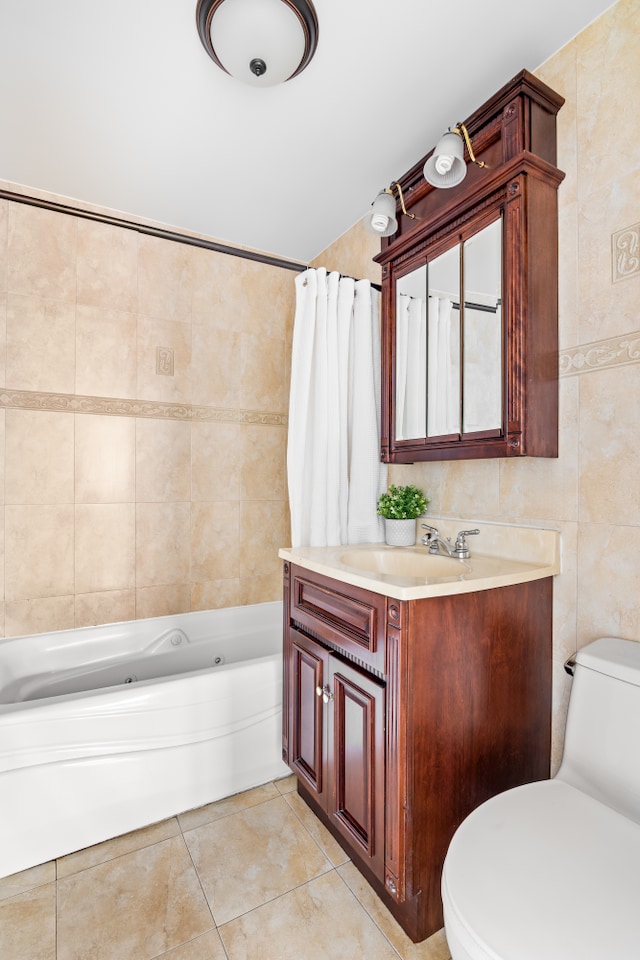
501	555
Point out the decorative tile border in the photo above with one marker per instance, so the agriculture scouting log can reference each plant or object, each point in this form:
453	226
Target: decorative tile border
618	351
107	406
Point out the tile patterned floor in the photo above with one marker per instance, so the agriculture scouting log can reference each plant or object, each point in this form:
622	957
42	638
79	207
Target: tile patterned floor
253	877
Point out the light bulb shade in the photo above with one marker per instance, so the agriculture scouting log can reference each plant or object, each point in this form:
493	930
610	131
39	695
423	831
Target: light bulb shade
446	166
381	219
261	42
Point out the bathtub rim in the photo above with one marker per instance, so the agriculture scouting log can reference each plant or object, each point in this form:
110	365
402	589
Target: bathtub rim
104	640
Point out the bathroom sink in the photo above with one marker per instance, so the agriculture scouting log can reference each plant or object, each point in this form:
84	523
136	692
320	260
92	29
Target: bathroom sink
506	555
401	562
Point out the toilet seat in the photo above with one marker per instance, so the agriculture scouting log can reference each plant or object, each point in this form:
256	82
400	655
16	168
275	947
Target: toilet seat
543	872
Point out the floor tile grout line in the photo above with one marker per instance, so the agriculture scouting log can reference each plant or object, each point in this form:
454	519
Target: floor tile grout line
317	842
180	833
278	896
372	918
200	884
330	865
118	856
147	846
35	886
332	868
280	796
232	813
161	956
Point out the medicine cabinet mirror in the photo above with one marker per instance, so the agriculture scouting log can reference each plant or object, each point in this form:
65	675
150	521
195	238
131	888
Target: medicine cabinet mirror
449	337
469	305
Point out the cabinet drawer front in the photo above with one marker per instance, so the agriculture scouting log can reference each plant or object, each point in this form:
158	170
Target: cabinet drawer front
353	620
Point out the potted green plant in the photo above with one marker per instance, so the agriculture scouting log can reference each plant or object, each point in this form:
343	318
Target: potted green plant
400	507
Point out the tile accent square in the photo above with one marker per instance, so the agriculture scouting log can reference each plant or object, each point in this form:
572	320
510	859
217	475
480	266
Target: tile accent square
625	253
164	361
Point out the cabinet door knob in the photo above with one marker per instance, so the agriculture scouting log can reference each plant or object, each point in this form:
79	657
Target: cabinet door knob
325	693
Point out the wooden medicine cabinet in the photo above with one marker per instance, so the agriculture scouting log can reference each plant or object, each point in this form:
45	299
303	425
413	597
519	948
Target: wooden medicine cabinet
469	294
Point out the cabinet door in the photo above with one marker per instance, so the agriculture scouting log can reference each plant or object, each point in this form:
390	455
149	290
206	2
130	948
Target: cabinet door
355	738
307	674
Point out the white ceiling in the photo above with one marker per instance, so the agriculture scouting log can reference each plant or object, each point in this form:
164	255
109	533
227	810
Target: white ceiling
118	104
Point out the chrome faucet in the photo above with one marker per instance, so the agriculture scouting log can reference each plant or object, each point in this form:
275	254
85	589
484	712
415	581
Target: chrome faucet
459	550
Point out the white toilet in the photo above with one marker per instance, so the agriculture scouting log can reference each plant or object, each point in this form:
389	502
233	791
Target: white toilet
551	870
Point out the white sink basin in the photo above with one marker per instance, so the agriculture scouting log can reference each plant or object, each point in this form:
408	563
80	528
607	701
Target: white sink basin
404	562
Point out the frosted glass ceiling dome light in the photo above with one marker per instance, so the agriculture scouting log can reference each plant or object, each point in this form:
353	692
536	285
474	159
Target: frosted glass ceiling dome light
446	166
261	42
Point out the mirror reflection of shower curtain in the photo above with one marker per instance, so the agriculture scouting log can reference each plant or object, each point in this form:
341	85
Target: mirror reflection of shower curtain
333	456
443	373
411	368
482	408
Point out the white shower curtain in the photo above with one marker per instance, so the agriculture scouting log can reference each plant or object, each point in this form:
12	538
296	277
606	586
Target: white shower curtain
333	458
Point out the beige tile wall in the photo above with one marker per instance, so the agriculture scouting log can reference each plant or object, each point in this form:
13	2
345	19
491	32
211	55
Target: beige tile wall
136	508
592	491
127	491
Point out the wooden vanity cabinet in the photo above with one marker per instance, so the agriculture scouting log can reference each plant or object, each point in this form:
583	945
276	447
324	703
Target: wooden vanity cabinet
400	717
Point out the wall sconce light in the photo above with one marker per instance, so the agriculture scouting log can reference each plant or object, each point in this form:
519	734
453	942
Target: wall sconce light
262	42
381	220
446	166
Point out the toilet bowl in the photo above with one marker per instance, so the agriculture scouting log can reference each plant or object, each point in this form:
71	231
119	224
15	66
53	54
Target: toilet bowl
551	870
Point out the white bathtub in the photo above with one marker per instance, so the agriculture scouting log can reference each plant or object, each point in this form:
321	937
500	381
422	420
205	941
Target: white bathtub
107	729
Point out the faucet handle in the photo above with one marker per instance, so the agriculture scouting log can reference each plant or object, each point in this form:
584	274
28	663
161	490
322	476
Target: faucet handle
466	533
428	537
461	548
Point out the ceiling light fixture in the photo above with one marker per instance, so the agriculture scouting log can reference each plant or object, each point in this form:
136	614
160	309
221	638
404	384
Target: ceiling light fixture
381	219
446	166
262	42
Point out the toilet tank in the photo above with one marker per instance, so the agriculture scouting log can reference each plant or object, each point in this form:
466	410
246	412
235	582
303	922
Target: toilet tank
602	740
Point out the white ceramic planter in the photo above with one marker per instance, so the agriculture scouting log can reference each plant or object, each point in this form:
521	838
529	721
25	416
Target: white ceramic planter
400	533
